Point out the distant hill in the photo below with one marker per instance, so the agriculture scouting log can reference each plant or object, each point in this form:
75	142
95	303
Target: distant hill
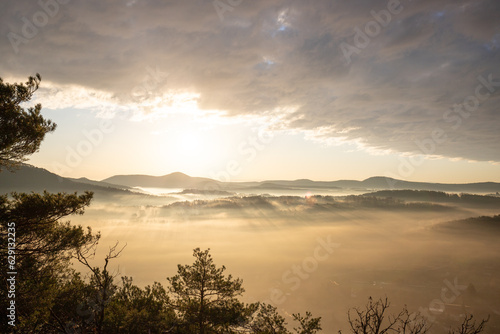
390	183
183	181
174	180
302	183
29	178
270	186
293	204
98	183
485	224
384	183
437	196
204	192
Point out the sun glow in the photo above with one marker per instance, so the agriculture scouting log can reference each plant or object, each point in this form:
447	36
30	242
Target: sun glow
190	143
187	147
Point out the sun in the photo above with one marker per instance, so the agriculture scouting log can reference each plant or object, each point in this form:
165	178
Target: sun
185	148
190	143
192	147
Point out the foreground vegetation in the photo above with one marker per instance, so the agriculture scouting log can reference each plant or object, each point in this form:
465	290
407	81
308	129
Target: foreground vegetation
43	293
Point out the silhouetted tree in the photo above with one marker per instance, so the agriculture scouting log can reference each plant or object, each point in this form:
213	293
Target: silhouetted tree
204	298
374	320
101	280
21	131
44	246
469	326
308	324
133	310
267	320
71	311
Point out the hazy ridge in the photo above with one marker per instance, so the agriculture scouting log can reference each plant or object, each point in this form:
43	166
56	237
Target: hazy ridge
30	178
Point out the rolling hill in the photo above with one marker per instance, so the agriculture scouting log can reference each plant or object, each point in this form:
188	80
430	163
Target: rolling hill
30	178
174	180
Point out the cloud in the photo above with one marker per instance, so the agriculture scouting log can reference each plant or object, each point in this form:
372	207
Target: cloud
265	56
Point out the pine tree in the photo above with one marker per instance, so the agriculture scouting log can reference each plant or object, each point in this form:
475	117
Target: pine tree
204	298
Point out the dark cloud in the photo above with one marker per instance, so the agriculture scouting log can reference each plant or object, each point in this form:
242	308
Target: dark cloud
265	56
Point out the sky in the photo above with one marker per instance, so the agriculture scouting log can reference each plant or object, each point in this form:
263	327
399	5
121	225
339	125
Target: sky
242	90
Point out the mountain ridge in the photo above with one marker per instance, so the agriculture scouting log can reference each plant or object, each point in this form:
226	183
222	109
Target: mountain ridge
29	178
172	180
